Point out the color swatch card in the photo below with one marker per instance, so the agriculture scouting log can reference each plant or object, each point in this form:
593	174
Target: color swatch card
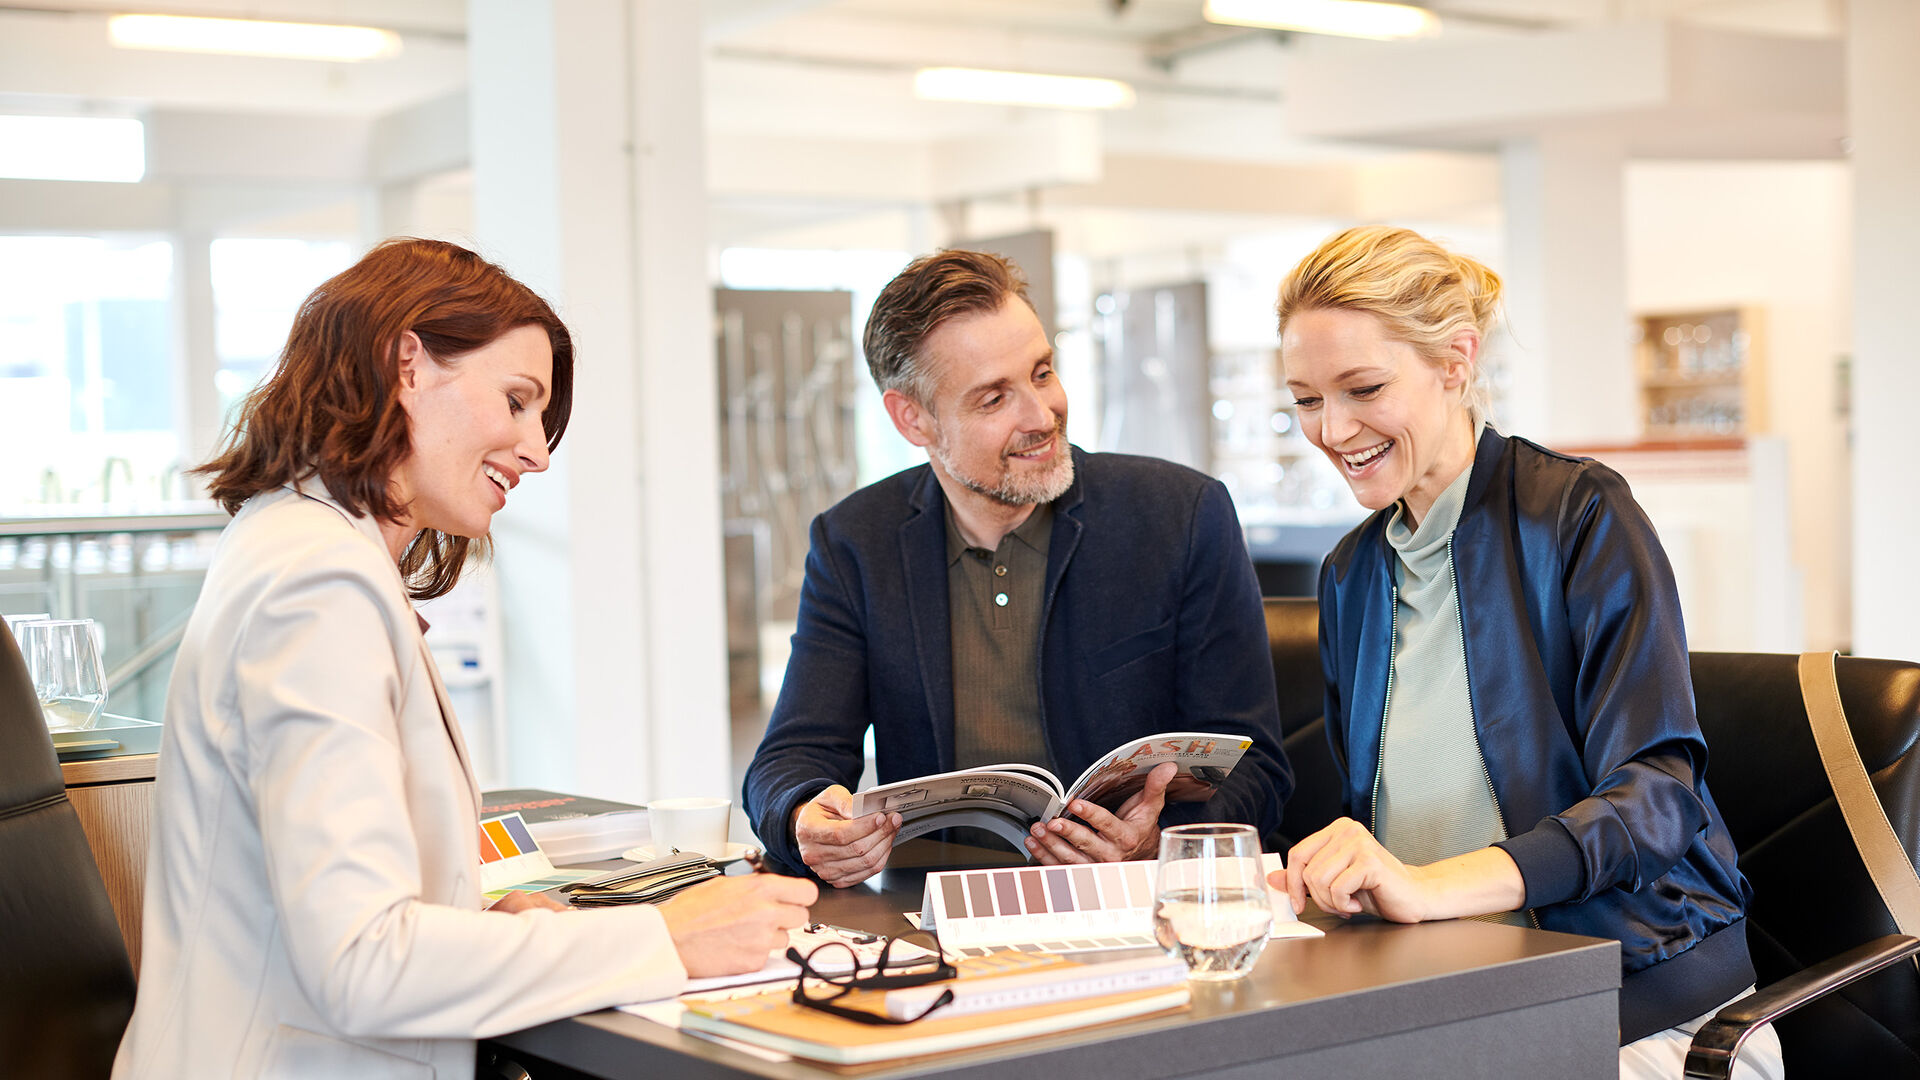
1060	908
1041	908
511	859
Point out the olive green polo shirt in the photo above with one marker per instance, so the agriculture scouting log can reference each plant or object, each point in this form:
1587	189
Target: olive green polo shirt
993	612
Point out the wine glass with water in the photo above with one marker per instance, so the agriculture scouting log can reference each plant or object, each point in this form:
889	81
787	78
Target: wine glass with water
1210	906
63	658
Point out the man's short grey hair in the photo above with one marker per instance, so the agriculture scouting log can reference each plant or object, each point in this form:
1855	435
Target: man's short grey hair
931	290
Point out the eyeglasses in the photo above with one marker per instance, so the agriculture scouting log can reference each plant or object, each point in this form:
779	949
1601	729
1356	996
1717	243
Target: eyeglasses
820	990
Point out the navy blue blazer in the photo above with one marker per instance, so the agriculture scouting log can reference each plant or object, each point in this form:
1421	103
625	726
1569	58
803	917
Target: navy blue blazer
1151	622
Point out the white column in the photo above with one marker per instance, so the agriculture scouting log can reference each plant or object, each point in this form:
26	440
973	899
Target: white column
197	419
679	408
587	161
1883	99
1571	370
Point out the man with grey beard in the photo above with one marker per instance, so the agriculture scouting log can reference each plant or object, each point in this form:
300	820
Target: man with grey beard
1015	599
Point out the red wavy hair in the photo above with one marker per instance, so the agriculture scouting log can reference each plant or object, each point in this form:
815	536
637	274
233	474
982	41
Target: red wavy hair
330	408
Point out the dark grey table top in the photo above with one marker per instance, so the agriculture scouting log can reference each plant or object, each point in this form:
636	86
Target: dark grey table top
1365	980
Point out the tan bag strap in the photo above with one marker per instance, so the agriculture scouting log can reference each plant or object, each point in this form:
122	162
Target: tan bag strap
1887	862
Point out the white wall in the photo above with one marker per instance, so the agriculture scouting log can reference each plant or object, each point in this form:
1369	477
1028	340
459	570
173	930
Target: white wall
1883	97
1776	235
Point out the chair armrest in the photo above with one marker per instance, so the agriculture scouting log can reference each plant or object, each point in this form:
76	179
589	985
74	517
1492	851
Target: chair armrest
1718	1040
490	1065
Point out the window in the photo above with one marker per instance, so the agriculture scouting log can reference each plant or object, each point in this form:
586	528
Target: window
87	385
258	286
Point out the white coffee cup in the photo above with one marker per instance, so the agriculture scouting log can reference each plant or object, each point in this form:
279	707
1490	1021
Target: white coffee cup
691	824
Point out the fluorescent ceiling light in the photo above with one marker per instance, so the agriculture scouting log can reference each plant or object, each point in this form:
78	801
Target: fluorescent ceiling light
1346	18
251	37
1020	88
72	148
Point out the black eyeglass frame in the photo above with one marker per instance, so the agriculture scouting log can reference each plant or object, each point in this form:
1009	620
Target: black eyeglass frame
843	984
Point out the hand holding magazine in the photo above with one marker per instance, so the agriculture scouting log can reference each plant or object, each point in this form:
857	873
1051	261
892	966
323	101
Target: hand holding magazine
1008	799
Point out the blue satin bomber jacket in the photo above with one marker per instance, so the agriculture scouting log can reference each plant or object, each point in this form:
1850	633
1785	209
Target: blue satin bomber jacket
1582	699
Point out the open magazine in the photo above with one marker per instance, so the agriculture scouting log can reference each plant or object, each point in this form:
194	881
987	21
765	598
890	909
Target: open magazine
1008	799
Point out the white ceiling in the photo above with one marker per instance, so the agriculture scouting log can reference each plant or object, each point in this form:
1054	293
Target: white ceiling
56	50
829	77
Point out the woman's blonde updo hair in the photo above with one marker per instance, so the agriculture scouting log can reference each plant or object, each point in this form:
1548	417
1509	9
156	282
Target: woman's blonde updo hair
1423	293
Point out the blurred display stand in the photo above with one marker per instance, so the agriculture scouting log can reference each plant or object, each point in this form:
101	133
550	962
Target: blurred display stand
1167	392
745	563
1155	397
787	386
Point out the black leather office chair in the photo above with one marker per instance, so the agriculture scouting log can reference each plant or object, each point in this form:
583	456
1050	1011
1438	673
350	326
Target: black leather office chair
66	986
1293	636
1816	918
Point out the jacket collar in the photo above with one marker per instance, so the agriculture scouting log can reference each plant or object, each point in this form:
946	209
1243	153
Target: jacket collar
1492	445
923	550
1069	522
1363	564
311	487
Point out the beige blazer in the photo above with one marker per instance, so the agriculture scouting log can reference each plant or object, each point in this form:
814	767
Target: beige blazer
313	901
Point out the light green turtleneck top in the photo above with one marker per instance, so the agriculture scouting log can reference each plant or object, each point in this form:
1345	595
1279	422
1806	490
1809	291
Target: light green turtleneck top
1435	799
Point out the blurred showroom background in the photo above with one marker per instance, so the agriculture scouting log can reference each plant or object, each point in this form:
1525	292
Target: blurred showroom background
1706	211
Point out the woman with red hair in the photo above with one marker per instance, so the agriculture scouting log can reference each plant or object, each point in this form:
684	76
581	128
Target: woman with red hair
313	901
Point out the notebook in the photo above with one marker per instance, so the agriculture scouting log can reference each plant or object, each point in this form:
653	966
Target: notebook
774	1021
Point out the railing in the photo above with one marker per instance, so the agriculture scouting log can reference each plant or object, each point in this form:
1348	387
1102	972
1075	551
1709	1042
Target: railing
136	574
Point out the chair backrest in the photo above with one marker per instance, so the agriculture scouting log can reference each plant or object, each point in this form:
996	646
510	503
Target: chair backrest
66	986
1812	896
1293	636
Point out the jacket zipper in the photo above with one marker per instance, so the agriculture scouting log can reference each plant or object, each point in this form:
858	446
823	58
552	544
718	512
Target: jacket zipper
1473	720
1380	755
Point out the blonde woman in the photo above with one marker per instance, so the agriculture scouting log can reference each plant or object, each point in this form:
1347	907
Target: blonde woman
1507	686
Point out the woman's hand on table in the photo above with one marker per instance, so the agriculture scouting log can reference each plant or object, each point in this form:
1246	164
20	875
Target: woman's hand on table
730	925
1347	872
1132	832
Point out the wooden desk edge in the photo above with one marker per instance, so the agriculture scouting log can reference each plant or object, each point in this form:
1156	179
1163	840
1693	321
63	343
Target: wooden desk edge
111	770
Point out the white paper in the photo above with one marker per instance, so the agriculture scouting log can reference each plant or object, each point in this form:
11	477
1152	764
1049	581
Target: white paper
1285	923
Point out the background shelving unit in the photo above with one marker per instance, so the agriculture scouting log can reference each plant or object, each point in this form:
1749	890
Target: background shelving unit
1702	374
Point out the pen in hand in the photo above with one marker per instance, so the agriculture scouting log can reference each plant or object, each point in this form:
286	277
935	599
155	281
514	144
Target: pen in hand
856	937
758	863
